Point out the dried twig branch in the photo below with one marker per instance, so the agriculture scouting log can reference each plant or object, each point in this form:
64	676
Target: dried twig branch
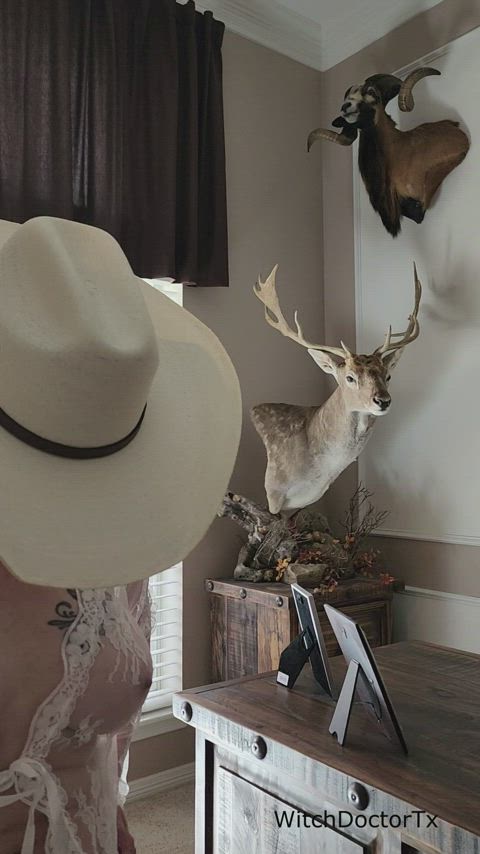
361	519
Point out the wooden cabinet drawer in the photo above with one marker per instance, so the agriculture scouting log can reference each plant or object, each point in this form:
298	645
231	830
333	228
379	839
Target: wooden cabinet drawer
250	820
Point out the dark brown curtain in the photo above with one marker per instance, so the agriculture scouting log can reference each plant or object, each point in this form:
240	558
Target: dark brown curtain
111	113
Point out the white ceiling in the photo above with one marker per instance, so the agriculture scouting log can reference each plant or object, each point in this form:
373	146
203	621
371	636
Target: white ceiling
319	33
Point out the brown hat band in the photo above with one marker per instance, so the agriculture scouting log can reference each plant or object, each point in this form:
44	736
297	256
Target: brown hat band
69	451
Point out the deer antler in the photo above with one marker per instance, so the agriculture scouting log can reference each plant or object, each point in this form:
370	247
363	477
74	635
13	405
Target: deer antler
405	97
267	294
413	329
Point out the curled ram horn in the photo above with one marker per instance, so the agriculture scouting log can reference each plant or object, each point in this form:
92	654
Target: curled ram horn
405	97
346	136
388	85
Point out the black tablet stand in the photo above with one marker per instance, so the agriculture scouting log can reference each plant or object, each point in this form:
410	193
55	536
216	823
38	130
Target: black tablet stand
294	657
341	716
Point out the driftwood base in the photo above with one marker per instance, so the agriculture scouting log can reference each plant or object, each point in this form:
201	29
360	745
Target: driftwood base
274	545
306	574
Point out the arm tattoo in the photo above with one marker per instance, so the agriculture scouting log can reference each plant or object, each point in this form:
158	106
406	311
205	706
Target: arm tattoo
66	612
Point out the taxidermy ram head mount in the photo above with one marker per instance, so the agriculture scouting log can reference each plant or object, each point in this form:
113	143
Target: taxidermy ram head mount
308	447
401	170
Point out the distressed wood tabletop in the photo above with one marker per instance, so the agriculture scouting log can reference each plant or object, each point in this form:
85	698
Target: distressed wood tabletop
436	694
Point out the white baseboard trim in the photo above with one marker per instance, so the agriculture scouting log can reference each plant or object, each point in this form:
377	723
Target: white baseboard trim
145	787
156	723
438	617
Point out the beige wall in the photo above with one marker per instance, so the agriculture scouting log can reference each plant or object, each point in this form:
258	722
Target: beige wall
275	216
153	755
436	566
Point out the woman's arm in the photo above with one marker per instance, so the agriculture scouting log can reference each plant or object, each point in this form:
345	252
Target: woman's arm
139	605
125	840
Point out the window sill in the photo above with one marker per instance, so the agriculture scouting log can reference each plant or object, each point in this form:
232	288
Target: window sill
156	723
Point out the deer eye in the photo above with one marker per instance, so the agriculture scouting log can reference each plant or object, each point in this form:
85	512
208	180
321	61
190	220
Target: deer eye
389	378
349	378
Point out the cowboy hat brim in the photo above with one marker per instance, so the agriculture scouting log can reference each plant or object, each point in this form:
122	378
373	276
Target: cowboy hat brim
114	520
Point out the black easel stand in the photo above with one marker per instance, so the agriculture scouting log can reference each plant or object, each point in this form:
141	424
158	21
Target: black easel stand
341	715
293	659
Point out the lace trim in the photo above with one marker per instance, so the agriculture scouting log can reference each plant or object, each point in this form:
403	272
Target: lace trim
80	735
146	620
121	630
80	647
103	615
98	814
36	785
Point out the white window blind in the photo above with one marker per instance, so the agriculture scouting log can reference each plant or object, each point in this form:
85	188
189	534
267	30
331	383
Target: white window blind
166	595
166	642
171	289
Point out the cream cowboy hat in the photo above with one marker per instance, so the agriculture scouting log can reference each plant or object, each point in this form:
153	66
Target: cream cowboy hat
120	413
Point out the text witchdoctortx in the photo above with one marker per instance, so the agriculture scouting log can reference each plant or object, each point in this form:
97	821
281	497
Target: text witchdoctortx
344	819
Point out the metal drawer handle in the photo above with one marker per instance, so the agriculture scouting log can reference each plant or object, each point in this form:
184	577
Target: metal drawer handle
259	747
186	712
358	796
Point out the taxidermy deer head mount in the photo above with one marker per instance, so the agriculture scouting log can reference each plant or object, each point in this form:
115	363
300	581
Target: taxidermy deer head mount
309	446
401	170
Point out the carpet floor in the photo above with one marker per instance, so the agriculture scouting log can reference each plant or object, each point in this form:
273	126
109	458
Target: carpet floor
164	824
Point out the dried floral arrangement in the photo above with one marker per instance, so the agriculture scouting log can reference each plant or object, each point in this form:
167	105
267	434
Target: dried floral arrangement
303	548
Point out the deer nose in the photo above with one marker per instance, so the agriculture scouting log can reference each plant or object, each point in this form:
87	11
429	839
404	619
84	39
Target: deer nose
346	106
383	402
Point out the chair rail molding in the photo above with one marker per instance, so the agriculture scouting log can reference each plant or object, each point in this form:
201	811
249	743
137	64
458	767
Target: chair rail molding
435	616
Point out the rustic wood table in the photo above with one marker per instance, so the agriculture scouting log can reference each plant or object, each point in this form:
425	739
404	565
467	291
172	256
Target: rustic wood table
271	780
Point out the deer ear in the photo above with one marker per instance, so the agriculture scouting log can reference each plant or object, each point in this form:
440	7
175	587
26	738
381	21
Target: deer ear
392	360
324	361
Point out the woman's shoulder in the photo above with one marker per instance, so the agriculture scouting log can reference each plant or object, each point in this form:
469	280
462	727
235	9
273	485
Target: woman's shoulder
32	623
13	586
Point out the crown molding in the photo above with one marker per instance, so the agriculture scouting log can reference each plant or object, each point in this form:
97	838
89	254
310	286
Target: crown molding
344	29
271	25
348	29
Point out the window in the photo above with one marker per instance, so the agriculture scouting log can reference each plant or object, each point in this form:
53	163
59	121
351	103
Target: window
171	289
166	594
166	642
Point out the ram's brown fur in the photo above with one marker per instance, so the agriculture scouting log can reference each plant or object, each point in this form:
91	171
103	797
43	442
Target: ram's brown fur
402	170
398	166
